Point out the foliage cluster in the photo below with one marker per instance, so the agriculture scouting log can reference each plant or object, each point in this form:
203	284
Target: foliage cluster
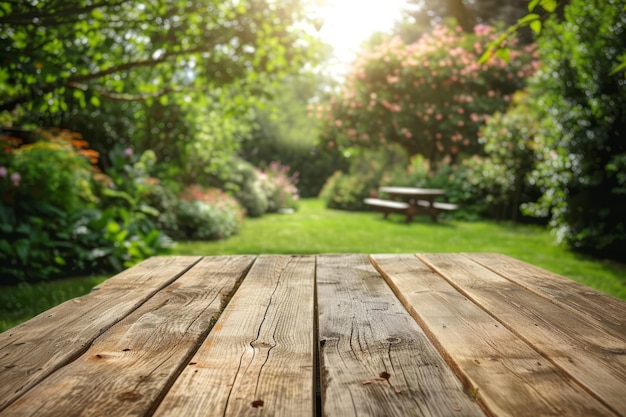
284	131
60	215
431	96
206	214
265	190
368	169
582	153
164	92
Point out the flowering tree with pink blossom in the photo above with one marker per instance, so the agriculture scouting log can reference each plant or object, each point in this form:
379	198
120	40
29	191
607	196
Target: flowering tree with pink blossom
430	96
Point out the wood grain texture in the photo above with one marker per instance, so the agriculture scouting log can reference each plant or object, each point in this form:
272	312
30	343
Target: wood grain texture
595	359
128	368
33	350
258	359
508	376
376	361
603	310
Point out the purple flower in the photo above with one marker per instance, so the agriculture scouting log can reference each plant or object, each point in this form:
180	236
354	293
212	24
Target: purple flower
128	152
15	178
3	172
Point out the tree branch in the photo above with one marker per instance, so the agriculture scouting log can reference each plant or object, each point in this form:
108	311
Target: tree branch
80	79
125	97
28	18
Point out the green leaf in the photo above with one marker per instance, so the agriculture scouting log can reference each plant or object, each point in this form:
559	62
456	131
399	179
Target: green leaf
504	54
536	26
95	101
149	210
532	4
548	5
618	68
108	192
531	17
113	227
22	247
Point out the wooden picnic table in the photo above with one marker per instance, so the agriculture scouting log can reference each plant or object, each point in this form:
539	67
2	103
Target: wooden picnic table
411	201
334	335
411	193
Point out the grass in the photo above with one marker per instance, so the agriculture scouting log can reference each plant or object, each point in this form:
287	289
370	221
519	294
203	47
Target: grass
21	302
314	229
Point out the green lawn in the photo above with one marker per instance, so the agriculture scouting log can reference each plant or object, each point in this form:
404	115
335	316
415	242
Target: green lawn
314	229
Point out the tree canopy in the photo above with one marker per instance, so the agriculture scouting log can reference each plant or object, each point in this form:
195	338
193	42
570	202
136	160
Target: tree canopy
55	53
420	16
429	96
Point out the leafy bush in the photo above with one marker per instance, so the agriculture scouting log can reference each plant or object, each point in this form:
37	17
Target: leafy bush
369	169
61	216
582	148
126	221
347	191
207	214
511	145
431	96
279	187
54	171
44	187
248	188
261	191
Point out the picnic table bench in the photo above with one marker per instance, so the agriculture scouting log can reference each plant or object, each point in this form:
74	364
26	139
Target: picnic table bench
334	335
410	202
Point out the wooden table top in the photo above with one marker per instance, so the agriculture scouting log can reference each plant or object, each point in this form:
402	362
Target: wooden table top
412	192
334	335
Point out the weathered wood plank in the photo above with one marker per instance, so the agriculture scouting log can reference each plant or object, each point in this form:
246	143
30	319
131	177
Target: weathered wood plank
603	310
33	350
592	357
508	376
376	361
258	359
129	366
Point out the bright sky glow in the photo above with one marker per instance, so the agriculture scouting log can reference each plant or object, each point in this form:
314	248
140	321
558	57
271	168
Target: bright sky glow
348	23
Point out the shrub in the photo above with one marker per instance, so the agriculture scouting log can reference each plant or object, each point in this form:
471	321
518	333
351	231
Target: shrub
54	171
347	191
511	144
249	192
369	169
126	220
582	148
61	216
430	97
264	190
279	187
45	187
207	214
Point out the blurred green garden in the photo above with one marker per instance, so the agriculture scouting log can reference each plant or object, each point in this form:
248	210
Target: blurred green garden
130	129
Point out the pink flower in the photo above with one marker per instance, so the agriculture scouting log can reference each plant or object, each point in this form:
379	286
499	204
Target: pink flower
128	152
3	172
338	123
15	179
